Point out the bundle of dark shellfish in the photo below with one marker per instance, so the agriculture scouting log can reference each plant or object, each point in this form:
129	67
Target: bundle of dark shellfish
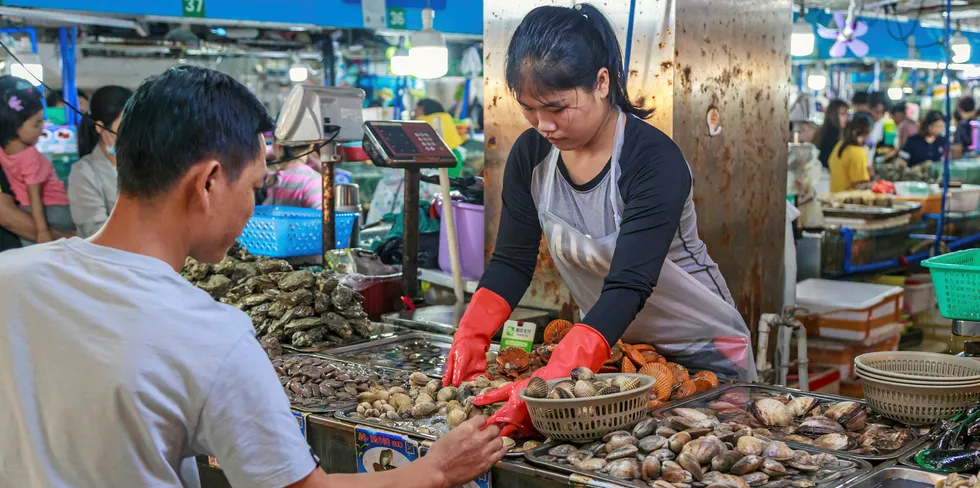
583	383
313	383
296	307
676	452
842	426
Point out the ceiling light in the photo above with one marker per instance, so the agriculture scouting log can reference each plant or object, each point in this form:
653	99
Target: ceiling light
895	93
298	73
401	63
816	81
916	64
428	55
801	42
31	69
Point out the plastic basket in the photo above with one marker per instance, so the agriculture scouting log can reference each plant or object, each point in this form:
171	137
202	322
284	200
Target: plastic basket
587	419
956	277
283	232
916	405
920	367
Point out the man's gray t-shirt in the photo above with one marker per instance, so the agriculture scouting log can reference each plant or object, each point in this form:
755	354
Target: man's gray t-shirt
115	371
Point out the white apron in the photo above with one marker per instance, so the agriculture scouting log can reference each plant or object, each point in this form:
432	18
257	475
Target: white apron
684	320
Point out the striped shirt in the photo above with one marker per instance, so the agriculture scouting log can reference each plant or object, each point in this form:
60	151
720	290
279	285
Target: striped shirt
298	186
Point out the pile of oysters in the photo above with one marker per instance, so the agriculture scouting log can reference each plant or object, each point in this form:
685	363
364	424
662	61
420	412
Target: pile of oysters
675	452
296	307
583	384
842	426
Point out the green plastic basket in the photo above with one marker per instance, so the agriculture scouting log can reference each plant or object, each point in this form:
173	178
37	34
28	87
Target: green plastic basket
956	277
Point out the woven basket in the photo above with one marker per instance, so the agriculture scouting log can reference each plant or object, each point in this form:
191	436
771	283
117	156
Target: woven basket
920	367
587	419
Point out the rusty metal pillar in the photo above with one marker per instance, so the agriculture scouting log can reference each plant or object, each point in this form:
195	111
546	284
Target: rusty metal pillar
687	57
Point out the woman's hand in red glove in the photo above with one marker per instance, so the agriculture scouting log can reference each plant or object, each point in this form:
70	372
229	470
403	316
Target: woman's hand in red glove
467	358
582	346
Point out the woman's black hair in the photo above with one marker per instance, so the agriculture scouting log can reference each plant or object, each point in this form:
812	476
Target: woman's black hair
430	106
561	48
831	120
859	126
931	118
105	107
19	101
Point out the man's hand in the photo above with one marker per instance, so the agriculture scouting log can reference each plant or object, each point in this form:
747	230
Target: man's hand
44	236
466	452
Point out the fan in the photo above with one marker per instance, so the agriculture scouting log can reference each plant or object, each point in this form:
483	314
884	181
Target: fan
846	34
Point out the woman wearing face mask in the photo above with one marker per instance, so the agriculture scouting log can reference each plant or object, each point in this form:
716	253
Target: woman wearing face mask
613	197
92	184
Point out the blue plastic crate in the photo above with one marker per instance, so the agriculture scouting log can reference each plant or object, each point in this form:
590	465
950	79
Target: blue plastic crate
284	232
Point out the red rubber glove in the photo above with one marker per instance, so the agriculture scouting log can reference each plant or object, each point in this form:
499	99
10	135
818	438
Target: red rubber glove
582	346
467	358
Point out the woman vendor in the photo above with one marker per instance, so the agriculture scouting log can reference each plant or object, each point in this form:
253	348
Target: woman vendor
613	197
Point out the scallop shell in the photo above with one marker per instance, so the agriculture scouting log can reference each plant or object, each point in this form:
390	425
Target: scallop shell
705	380
687	389
650	356
583	373
627	366
680	372
608	390
663	385
556	330
537	388
634	355
644	348
513	361
583	389
606	368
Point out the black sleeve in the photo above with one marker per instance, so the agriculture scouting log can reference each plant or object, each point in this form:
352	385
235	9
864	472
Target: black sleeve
654	185
4	184
519	234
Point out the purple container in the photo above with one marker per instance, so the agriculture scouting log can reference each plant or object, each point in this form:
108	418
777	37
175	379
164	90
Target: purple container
469	235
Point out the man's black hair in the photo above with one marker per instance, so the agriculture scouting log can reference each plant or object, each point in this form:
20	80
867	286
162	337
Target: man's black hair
57	96
967	104
182	117
899	108
430	106
860	98
878	98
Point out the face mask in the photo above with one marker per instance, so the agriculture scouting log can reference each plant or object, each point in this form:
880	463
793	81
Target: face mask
111	150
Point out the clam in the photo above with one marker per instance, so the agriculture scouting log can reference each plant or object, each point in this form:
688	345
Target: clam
562	451
835	442
771	412
582	373
644	428
757	478
508	442
728	481
536	388
625	469
705	448
662	484
773	468
801	406
651	443
666	431
563	389
650	468
609	436
723	462
778	451
818	426
423	409
590	464
607	390
455	417
851	415
678	440
418	379
626	383
746	465
580	455
750	446
663	454
583	389
619	440
424	397
799	439
690	414
622	452
676	476
783	483
528	445
690	464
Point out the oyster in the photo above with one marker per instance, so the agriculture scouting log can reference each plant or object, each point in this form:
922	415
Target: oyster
341	296
295	280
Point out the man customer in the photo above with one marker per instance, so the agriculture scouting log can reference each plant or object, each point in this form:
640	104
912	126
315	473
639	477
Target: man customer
116	371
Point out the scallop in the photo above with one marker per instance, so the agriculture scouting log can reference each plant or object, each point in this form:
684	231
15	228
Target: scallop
536	388
583	389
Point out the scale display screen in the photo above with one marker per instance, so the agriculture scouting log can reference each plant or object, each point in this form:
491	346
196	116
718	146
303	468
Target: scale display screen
413	144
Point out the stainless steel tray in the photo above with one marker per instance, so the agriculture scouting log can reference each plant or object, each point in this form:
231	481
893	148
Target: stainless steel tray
714	393
374	352
381	331
534	457
868	212
890	475
348	366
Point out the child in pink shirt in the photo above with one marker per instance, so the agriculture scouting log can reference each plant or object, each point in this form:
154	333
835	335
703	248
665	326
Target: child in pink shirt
35	185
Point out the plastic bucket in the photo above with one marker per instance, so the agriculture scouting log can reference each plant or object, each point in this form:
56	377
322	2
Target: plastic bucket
469	235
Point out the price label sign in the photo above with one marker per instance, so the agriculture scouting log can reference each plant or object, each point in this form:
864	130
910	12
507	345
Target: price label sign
396	18
518	334
301	420
192	8
378	450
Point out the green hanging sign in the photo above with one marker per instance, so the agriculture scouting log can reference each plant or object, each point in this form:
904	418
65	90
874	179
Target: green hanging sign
396	18
192	8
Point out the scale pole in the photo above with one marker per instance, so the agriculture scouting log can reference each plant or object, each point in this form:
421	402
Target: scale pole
410	234
329	204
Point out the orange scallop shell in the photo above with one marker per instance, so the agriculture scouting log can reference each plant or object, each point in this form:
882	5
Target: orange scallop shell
686	389
627	366
644	347
556	330
662	360
654	404
651	356
606	368
513	361
664	379
634	355
615	355
705	380
680	372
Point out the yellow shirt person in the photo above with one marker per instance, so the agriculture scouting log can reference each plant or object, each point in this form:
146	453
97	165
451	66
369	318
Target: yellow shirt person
848	168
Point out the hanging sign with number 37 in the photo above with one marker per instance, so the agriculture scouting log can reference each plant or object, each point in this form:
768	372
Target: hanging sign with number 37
193	8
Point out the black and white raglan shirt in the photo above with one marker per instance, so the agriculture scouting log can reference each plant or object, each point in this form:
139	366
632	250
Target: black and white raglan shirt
658	222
